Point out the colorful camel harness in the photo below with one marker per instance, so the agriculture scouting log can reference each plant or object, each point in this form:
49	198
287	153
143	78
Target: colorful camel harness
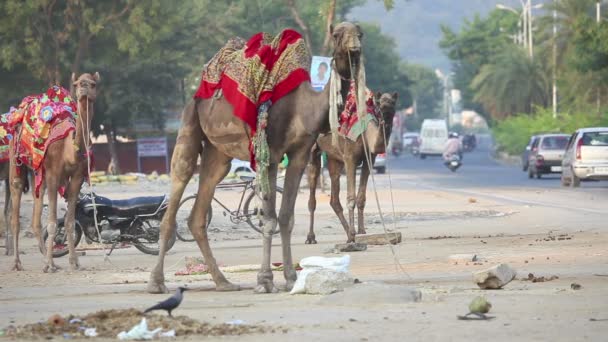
35	124
351	126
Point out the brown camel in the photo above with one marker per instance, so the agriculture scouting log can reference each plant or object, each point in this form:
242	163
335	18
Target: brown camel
65	164
294	123
348	154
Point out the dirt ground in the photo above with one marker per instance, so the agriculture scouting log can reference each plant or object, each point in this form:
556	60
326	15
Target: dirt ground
533	234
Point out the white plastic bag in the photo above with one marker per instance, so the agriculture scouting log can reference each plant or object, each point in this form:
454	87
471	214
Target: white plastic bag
313	264
139	332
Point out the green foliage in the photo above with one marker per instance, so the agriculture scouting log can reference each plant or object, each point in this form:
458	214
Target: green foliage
513	133
512	83
426	91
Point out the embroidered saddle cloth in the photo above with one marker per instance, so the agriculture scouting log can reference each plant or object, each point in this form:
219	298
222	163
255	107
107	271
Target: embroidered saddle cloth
350	124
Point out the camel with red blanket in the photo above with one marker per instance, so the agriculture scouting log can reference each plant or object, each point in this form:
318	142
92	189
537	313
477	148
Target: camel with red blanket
222	120
51	135
356	139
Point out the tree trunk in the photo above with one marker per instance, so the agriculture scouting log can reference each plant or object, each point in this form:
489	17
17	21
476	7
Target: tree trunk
113	167
331	14
298	19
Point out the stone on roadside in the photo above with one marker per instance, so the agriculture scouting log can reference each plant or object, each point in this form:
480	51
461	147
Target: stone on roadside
379	239
325	282
351	247
494	277
370	293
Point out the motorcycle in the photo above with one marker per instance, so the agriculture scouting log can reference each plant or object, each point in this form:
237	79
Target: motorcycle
135	221
453	162
396	150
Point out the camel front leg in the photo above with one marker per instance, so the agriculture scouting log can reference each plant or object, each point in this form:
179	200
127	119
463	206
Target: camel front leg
16	189
351	196
8	239
361	197
72	191
335	167
286	214
37	216
314	169
214	167
183	163
51	226
265	276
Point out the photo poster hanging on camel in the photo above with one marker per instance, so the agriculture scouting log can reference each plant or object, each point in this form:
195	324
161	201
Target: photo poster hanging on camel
320	69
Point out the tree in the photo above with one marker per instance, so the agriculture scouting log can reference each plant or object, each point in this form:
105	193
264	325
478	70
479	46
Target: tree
426	92
477	43
512	83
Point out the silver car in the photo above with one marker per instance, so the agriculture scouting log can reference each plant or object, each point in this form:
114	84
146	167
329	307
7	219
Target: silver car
586	156
546	154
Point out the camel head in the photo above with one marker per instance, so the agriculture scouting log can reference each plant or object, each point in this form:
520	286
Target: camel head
347	48
85	87
375	134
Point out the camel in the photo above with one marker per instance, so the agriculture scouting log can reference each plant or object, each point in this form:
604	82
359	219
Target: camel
294	122
4	171
65	164
348	154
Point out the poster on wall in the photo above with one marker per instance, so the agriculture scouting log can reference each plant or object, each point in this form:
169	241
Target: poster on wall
320	70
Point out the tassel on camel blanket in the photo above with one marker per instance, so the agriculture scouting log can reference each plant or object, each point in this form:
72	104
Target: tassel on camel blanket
262	151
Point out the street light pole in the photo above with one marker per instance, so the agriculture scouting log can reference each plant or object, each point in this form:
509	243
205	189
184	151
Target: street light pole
554	61
598	19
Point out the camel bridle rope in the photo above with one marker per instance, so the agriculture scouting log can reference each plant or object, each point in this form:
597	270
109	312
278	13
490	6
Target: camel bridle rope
367	153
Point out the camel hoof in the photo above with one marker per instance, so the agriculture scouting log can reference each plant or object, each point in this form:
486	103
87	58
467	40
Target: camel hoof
227	287
311	241
51	268
268	288
361	232
156	288
18	267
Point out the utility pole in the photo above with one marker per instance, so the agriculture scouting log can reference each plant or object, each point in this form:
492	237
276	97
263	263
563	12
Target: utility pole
554	62
530	39
599	92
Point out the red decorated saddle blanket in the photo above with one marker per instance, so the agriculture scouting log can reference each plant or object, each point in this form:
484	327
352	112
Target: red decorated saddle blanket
265	68
351	125
39	121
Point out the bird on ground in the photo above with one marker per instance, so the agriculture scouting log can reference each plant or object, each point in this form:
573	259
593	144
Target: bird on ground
171	303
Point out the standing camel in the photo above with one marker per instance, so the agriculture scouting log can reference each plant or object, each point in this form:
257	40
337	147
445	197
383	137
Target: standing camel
348	154
294	123
65	164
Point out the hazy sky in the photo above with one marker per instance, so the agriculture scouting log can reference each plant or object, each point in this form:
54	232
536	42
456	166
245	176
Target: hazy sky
415	24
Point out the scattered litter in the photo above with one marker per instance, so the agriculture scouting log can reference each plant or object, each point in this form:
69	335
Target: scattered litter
576	286
56	320
167	334
472	200
194	266
315	264
139	332
542	279
90	332
75	320
442	237
67	336
590	319
552	237
108	323
236	322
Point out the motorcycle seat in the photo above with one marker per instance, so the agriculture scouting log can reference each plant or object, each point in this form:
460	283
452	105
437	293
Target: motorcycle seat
137	206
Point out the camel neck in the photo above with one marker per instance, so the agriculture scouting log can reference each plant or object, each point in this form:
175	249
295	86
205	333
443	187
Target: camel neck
85	114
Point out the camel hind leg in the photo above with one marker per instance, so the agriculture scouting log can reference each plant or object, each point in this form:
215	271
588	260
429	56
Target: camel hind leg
52	182
314	170
183	163
335	167
16	190
214	167
362	196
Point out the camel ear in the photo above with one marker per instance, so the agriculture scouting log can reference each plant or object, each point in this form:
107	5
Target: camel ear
73	77
97	77
331	28
377	96
395	95
360	30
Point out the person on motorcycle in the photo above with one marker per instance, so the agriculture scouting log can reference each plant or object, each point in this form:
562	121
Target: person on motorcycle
452	146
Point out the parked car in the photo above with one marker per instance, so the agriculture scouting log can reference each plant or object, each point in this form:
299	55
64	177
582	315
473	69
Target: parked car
434	134
586	156
546	154
380	163
240	166
526	154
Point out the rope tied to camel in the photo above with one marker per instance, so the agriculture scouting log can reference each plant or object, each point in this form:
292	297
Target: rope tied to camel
262	150
335	102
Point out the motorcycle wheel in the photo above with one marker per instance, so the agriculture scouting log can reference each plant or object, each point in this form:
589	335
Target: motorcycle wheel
60	247
150	227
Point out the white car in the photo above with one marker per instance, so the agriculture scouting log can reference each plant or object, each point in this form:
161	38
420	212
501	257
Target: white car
240	166
433	135
380	163
586	156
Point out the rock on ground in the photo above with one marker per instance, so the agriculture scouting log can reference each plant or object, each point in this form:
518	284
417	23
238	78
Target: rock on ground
379	239
351	247
327	281
371	293
494	277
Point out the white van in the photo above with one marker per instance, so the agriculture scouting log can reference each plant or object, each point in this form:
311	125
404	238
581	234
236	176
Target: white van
433	136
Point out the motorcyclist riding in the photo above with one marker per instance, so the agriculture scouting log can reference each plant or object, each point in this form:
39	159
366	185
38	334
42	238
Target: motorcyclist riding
452	146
